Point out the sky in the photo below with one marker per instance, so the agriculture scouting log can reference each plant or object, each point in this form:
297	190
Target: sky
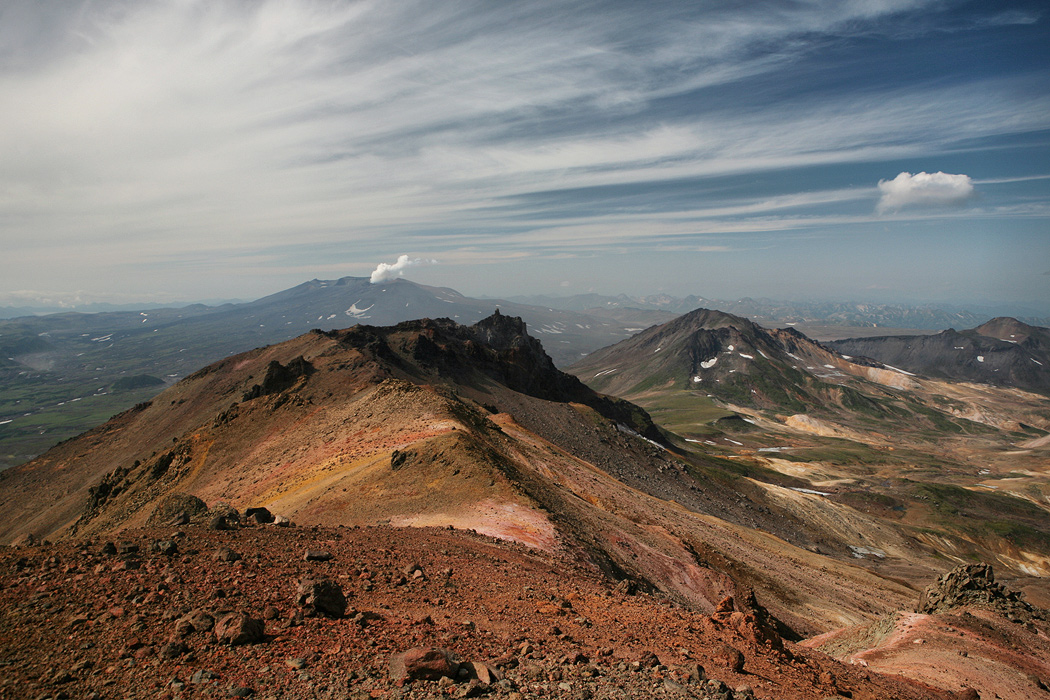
861	150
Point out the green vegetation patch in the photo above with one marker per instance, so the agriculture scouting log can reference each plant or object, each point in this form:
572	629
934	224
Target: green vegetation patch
685	413
989	514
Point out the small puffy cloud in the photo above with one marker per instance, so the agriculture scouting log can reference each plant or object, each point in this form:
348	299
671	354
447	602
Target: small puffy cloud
386	272
924	190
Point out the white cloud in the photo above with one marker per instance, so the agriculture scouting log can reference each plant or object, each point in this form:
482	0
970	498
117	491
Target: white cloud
386	272
924	190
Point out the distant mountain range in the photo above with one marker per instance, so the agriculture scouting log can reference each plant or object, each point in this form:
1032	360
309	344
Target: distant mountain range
709	356
771	312
1003	351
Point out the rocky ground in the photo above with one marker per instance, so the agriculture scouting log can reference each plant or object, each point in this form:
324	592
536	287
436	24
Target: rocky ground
288	612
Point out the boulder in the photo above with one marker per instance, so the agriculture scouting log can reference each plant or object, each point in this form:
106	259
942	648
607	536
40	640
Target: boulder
226	554
483	672
728	657
324	597
225	510
193	621
259	516
237	628
425	663
220	522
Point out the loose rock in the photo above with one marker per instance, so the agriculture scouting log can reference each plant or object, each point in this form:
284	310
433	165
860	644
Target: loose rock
325	597
238	628
428	664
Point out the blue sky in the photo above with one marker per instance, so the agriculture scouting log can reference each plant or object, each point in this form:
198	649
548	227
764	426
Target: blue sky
879	150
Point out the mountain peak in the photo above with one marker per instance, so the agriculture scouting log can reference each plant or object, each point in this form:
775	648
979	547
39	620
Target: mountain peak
1005	328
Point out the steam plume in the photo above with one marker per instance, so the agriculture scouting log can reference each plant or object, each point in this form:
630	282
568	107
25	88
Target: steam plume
385	272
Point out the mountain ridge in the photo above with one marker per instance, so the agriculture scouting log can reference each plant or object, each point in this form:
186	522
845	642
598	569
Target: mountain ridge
1003	351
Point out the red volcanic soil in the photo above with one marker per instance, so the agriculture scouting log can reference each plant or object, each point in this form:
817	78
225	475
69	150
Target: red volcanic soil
78	622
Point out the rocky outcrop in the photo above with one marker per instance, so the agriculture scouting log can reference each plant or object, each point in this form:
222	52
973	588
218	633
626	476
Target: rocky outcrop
176	505
971	585
279	377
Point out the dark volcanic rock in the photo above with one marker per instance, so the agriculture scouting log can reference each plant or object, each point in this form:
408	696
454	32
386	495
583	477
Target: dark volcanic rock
260	516
324	597
279	377
226	554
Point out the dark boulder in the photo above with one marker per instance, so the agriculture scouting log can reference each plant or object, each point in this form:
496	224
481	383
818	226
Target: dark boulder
323	597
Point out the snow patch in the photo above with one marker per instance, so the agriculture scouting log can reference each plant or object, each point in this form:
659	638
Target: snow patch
980	358
895	369
355	312
1036	361
861	552
708	364
730	349
810	491
697	380
607	371
746	357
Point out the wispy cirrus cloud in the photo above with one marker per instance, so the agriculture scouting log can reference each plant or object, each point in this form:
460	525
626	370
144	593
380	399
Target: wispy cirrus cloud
200	130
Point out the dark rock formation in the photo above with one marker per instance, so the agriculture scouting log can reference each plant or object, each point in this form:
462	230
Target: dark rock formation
971	584
323	597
